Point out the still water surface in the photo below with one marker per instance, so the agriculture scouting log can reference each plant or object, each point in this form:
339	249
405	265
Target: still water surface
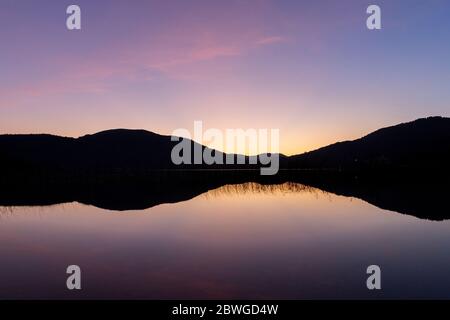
242	241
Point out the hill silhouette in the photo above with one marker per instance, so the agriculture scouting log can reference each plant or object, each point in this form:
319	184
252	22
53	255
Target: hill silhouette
118	152
103	151
421	144
403	168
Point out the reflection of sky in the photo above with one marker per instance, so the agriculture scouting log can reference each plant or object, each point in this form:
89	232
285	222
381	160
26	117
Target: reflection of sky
228	243
310	68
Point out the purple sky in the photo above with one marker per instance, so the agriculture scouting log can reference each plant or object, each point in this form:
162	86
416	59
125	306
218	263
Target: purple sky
309	68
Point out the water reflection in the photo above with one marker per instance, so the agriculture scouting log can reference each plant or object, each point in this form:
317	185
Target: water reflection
423	198
254	187
246	240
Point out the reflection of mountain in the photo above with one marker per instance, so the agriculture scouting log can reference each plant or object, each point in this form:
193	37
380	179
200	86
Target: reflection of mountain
401	168
121	193
421	197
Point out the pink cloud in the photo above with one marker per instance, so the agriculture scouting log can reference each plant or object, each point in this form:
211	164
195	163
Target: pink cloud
173	63
178	51
213	52
92	75
271	40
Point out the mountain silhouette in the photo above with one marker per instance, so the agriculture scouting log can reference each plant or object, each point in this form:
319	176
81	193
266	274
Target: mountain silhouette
421	144
118	151
103	151
403	168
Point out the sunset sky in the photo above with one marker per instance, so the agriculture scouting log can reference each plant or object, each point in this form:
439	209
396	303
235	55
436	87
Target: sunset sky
310	68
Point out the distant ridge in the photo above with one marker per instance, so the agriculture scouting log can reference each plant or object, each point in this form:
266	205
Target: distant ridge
117	151
423	143
402	168
420	144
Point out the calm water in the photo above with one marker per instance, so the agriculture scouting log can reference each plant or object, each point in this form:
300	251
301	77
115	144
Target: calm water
242	241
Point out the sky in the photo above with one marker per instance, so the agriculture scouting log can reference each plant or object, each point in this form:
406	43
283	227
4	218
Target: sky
311	69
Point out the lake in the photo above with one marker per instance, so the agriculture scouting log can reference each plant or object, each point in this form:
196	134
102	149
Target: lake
244	241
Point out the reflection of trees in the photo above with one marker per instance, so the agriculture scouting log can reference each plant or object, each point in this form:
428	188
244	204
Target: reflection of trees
6	211
423	198
9	211
257	188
